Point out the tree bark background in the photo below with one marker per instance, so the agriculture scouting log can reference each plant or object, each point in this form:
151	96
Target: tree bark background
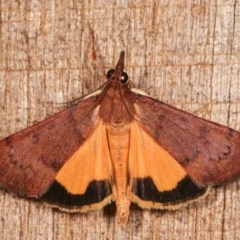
186	53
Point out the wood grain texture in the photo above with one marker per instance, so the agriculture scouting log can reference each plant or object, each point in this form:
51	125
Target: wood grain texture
183	53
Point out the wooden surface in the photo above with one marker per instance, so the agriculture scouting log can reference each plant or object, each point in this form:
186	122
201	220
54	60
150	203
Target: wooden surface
186	53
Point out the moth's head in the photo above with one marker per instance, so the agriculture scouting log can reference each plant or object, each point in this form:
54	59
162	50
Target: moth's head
123	77
118	74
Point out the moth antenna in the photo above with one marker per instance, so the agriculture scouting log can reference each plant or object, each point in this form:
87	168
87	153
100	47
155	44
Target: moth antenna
124	102
99	66
92	93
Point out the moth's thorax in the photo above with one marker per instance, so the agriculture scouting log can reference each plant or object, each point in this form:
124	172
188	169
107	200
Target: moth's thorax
113	110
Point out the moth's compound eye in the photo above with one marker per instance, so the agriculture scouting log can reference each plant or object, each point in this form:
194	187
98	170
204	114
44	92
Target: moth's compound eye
124	77
110	73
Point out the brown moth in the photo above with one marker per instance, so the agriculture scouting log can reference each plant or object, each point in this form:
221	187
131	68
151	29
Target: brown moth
119	145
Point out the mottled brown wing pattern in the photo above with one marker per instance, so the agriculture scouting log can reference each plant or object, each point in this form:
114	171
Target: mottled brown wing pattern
31	158
209	152
158	180
84	182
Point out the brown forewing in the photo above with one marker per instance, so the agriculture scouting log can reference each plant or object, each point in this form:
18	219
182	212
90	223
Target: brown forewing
31	158
209	152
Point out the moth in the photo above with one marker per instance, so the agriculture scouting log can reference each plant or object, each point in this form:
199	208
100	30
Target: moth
119	145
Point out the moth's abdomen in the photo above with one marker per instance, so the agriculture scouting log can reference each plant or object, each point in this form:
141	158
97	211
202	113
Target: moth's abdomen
118	141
